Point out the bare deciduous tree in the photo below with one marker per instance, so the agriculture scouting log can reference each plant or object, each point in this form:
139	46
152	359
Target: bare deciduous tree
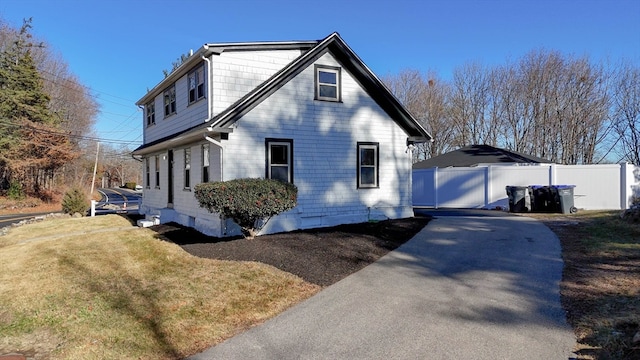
626	111
426	97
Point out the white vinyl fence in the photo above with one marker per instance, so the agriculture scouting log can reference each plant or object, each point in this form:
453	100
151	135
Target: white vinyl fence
597	187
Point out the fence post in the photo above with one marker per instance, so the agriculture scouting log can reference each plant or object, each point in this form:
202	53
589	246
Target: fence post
435	187
552	174
487	186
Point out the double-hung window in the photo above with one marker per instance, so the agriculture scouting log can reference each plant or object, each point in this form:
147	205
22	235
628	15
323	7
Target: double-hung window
187	168
327	81
150	110
157	169
205	163
170	101
147	179
279	159
368	165
196	84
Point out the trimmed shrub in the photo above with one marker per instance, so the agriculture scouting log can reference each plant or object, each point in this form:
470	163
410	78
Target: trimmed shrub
75	201
249	202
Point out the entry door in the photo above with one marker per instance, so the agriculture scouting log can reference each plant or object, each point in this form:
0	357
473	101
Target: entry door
170	180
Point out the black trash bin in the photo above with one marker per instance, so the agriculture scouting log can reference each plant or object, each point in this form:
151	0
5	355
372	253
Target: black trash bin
564	198
542	199
519	199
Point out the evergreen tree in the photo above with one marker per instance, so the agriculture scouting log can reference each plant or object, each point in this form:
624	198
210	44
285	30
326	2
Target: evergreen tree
23	109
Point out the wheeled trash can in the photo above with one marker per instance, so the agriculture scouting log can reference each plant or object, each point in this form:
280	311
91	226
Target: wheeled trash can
519	199
564	198
542	200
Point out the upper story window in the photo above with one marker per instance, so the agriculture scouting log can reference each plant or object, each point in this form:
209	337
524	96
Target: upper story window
368	165
170	101
327	83
196	84
279	159
150	110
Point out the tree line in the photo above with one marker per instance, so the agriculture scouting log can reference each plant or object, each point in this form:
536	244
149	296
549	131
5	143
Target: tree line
566	109
47	116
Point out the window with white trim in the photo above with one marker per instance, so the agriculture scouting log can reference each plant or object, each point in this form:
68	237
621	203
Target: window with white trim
327	81
187	168
196	84
157	169
205	163
368	168
150	111
146	172
170	101
279	159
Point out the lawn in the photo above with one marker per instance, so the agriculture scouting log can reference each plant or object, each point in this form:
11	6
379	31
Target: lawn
106	289
124	294
601	281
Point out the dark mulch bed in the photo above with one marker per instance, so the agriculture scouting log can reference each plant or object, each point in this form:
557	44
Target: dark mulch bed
320	256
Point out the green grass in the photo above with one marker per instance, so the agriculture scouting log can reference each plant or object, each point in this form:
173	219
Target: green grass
126	294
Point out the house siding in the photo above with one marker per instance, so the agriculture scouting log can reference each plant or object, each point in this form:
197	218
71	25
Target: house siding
186	116
325	136
235	73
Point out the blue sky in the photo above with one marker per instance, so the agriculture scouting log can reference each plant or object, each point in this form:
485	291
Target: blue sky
118	48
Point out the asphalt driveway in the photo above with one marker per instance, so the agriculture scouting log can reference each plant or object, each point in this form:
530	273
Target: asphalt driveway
465	287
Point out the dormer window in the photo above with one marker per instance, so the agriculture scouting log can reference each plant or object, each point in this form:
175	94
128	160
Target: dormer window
170	101
327	83
196	84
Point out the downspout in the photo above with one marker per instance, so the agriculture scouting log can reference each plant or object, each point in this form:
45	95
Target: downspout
209	90
218	144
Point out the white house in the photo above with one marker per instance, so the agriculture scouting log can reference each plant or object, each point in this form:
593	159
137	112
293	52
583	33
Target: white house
307	112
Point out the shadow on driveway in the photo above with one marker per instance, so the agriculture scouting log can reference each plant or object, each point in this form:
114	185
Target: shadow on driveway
476	287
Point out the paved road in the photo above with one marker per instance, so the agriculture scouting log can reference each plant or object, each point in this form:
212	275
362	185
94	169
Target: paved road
7	220
465	287
118	200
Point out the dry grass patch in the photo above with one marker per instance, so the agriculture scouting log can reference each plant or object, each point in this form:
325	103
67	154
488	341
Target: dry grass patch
601	281
126	294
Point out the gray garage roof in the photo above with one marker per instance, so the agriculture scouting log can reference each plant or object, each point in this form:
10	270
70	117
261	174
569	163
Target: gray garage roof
474	155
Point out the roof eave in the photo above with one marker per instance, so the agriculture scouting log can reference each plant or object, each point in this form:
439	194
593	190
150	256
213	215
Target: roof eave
216	49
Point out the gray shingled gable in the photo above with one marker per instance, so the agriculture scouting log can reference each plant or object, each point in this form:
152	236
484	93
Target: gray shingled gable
478	154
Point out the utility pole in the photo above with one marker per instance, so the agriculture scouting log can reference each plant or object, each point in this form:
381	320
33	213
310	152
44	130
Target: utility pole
95	168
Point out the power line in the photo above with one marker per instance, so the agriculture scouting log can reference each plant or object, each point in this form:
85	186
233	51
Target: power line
7	123
89	90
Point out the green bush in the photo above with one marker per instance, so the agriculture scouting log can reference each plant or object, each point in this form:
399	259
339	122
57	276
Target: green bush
15	191
129	185
75	201
249	202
